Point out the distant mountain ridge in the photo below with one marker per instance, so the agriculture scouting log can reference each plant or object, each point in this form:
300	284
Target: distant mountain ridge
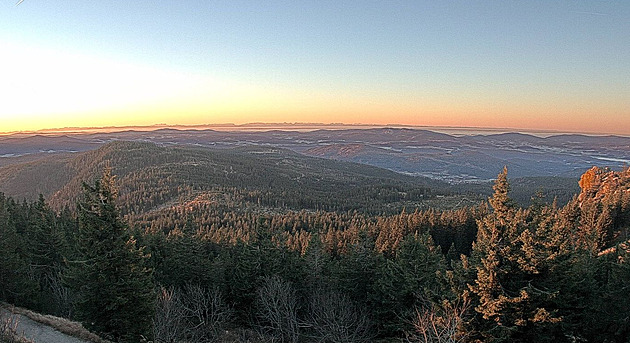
450	158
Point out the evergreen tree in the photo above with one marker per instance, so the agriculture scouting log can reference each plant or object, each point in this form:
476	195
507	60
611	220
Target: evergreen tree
501	203
46	253
512	299
409	280
113	287
16	283
615	300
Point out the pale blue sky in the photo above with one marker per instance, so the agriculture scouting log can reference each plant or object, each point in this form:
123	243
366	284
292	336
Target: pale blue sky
493	53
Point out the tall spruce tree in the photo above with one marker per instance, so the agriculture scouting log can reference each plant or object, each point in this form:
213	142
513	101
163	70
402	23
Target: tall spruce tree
501	203
46	254
113	286
510	292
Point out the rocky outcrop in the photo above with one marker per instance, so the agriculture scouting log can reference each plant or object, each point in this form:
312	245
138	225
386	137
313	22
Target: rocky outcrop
600	183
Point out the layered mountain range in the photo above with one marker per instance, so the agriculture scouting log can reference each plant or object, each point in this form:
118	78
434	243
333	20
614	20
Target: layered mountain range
451	158
422	159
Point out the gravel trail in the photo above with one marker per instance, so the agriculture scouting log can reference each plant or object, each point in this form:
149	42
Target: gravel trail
37	332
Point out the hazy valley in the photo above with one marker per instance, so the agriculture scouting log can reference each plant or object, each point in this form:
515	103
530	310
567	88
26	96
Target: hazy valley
451	158
451	163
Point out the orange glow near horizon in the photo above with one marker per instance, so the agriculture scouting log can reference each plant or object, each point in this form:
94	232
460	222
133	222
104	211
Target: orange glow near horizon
521	66
69	90
257	109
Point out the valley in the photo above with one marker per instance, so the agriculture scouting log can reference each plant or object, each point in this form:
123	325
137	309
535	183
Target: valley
449	158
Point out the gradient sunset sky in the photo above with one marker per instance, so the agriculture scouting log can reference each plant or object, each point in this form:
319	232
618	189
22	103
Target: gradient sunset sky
557	65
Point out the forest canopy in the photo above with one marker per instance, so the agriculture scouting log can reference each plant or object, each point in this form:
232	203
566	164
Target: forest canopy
492	272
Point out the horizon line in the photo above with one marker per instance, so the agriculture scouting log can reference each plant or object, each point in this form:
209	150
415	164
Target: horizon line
272	125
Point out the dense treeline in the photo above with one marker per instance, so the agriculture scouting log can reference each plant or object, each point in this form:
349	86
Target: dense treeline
552	187
34	241
152	177
490	273
224	224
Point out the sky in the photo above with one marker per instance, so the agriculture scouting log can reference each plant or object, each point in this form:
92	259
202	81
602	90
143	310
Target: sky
537	65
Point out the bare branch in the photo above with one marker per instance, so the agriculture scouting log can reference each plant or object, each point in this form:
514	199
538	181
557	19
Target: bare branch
277	306
439	324
334	318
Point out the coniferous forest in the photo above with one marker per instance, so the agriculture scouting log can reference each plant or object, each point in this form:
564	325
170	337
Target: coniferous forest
207	272
314	171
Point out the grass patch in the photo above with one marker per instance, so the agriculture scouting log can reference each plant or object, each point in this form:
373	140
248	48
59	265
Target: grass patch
9	332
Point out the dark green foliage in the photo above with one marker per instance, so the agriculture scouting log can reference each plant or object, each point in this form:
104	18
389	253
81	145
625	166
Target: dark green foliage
113	287
33	244
47	246
245	266
152	176
16	283
541	273
545	274
615	317
407	281
593	298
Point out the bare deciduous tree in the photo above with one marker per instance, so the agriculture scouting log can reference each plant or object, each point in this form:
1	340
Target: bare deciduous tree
276	301
193	314
206	312
61	296
439	324
169	321
334	318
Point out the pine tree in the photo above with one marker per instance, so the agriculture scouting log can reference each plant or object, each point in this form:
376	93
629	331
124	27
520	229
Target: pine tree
491	249
113	287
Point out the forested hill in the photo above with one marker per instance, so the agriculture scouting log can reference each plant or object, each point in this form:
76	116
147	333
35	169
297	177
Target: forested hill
504	274
227	237
151	177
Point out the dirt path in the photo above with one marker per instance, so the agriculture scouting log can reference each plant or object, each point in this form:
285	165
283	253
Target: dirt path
37	332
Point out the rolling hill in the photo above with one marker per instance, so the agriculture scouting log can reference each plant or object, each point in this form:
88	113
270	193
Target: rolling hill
151	177
450	158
